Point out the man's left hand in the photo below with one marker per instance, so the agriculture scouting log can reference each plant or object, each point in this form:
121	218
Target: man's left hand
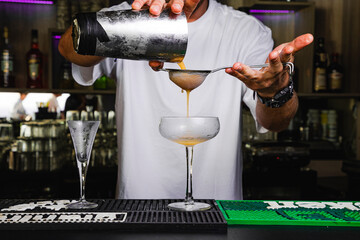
270	80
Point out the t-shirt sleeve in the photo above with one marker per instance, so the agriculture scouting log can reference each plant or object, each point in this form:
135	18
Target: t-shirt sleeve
86	76
260	49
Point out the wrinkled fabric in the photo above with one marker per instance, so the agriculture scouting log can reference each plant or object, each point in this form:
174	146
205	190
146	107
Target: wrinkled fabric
152	167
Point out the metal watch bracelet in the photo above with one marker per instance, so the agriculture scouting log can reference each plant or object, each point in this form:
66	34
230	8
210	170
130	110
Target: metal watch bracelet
284	95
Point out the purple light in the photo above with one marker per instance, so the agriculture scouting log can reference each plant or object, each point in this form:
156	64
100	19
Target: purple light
56	37
270	11
28	1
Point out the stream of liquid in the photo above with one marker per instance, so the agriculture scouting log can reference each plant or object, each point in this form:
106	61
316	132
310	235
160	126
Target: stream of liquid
182	66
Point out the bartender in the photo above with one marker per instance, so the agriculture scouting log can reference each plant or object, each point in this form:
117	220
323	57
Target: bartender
18	113
151	167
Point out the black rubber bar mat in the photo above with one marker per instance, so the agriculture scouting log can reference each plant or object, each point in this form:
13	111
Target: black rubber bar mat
127	215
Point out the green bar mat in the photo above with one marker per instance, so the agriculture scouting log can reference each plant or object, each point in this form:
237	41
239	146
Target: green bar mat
311	213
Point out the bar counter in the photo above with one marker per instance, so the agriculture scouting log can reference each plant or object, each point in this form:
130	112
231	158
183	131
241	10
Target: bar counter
24	221
233	232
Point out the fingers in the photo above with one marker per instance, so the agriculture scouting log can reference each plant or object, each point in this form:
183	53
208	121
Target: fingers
156	7
273	78
287	54
244	73
155	65
256	79
298	43
288	50
276	63
301	42
235	71
177	6
138	4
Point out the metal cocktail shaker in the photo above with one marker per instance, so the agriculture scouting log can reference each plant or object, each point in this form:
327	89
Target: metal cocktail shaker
131	34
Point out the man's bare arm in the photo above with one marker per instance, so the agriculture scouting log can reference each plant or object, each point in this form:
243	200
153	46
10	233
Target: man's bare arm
66	49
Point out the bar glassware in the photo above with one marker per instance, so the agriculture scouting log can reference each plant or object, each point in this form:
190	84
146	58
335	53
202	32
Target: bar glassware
83	134
189	131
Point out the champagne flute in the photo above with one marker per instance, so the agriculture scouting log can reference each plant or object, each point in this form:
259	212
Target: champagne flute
83	134
189	131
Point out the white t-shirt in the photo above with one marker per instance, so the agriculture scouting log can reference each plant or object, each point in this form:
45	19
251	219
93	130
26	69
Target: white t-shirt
152	167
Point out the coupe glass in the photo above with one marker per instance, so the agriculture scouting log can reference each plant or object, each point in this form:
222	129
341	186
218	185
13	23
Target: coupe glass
83	135
189	131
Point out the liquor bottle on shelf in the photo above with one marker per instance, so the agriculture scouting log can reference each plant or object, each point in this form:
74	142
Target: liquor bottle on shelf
314	125
335	74
7	78
332	126
34	63
320	67
66	81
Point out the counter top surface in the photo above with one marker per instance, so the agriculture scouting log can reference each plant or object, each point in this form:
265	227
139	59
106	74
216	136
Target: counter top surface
238	232
151	219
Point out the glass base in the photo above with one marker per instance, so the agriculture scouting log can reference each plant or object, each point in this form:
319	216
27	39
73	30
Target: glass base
182	206
82	205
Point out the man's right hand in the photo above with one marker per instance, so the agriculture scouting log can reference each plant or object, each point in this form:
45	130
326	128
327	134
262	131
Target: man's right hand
66	49
176	6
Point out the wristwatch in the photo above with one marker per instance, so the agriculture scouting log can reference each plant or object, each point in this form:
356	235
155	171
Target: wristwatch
280	98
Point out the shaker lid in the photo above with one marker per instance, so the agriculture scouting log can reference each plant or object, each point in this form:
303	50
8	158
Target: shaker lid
84	33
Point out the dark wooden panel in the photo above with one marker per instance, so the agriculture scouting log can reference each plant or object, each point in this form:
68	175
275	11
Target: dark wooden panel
329	19
351	45
304	23
20	19
338	21
286	27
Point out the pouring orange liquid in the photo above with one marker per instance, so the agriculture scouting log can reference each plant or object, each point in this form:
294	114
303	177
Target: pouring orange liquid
182	66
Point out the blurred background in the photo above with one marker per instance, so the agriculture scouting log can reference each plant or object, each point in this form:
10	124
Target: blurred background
317	157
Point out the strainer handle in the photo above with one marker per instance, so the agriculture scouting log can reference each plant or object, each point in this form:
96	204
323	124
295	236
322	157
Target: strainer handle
251	66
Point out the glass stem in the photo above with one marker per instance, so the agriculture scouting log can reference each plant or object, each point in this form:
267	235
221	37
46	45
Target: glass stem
189	198
82	172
